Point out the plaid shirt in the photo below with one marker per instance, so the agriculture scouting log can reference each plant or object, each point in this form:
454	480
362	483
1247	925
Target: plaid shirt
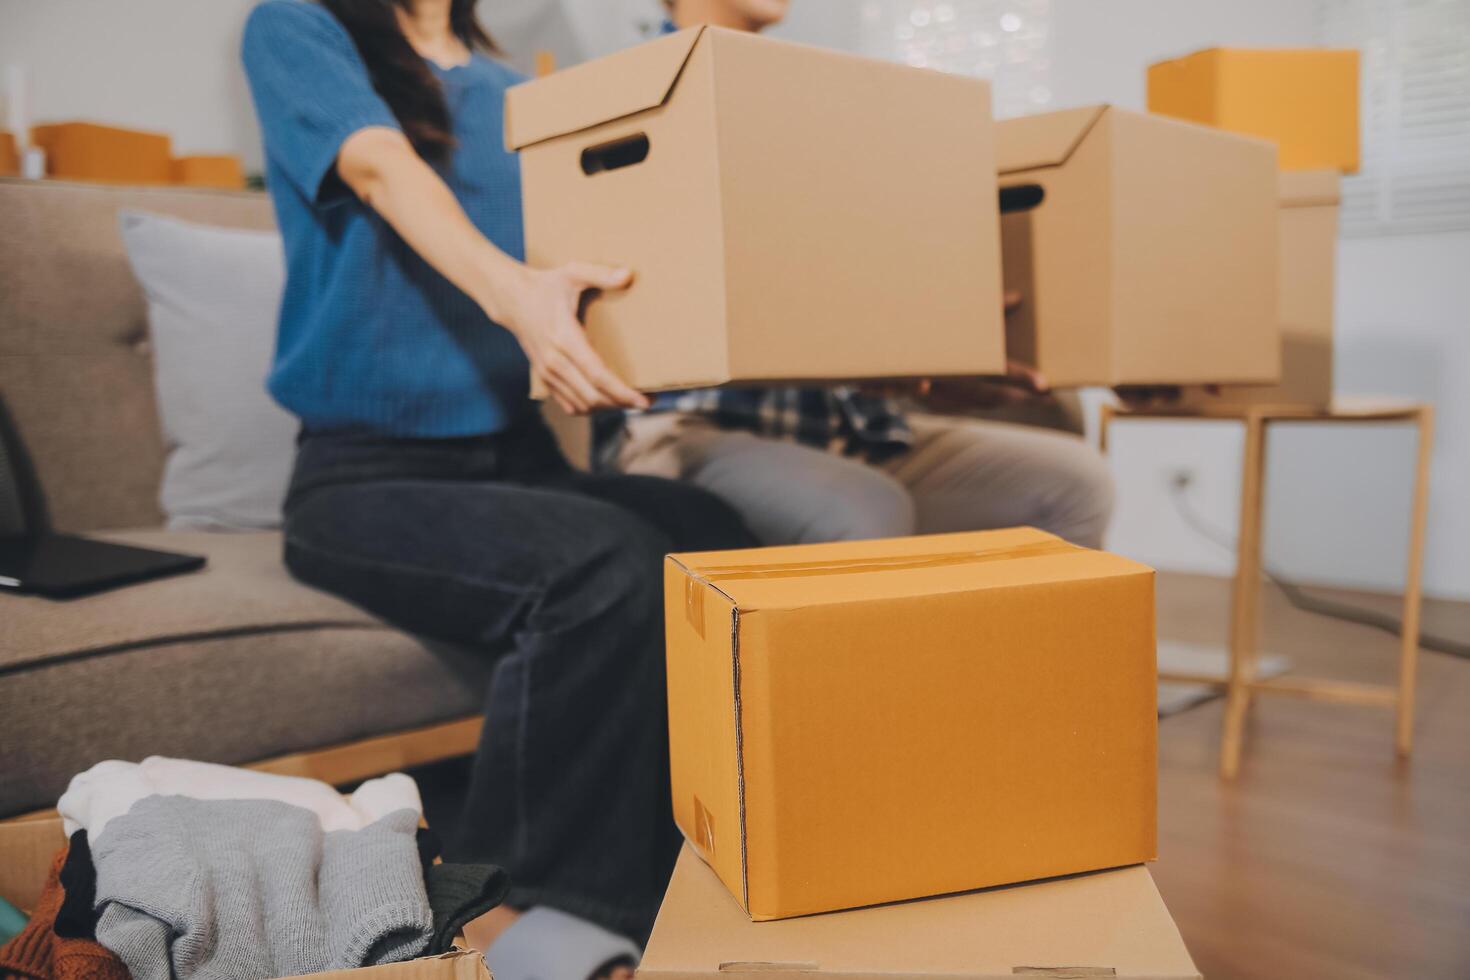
826	418
821	417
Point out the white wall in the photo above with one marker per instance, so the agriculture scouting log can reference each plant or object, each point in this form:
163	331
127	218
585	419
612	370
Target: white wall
1338	499
169	65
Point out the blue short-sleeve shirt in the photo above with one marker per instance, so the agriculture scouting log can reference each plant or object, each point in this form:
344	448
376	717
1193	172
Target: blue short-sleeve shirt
372	338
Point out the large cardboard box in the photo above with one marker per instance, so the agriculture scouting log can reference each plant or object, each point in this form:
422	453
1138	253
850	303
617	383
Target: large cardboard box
873	721
1150	257
1107	924
89	151
27	847
790	213
1307	237
1303	99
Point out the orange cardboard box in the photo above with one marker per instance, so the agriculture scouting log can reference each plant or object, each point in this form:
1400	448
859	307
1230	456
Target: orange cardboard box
88	151
28	845
9	155
1307	230
1148	254
874	721
209	171
1303	99
1108	924
790	213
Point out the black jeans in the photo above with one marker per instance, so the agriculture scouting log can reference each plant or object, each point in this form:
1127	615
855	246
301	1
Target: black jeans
497	543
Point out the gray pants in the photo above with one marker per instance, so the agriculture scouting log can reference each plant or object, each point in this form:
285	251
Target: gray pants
960	475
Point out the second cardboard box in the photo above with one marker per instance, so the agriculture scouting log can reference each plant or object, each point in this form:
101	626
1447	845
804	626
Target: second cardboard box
790	214
1147	254
867	722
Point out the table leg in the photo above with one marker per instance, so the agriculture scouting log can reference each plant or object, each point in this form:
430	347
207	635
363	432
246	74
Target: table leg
1245	599
1413	581
1105	415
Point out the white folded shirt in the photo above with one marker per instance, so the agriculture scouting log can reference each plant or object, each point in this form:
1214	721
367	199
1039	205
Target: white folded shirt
109	789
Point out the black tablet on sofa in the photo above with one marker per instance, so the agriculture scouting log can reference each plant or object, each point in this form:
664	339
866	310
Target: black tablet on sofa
64	565
36	559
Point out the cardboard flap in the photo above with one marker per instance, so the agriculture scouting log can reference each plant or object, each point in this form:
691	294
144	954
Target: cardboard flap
457	964
813	575
1045	140
598	91
1309	188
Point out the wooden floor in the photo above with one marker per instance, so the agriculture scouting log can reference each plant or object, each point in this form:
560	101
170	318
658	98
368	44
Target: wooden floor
1325	858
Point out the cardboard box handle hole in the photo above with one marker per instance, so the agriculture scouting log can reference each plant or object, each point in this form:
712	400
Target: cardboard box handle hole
615	154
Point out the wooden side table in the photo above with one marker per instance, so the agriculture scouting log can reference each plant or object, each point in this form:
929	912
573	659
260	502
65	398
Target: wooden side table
1242	682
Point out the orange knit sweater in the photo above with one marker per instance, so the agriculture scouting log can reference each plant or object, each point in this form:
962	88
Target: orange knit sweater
37	953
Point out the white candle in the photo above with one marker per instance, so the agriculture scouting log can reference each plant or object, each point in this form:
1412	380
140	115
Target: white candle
18	105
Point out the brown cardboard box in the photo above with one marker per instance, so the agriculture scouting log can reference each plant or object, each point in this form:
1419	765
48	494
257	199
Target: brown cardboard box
88	151
873	721
26	850
1108	924
9	155
222	171
789	213
1151	257
1307	229
1303	99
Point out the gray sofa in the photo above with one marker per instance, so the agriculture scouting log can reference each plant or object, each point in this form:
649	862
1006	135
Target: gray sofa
237	663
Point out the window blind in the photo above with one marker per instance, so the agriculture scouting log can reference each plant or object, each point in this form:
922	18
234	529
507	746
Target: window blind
1415	173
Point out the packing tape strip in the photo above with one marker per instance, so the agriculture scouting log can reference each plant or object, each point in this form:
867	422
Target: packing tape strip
694	603
695	582
849	566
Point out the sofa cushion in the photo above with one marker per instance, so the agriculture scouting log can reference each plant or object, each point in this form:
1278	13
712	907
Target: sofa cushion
212	300
243	588
75	368
230	664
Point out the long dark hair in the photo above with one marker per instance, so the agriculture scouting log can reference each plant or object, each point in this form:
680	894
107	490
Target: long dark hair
400	75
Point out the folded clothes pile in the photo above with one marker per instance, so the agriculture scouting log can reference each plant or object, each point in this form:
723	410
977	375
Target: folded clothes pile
176	870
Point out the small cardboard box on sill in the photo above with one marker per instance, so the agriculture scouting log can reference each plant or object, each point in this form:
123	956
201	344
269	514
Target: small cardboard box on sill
1147	254
1303	99
1307	230
28	845
108	154
875	721
789	213
1107	924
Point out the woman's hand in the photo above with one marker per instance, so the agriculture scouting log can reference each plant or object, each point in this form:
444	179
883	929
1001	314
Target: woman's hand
541	306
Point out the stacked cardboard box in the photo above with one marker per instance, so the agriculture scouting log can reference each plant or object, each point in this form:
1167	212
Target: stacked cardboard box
870	722
1306	101
1109	924
1307	250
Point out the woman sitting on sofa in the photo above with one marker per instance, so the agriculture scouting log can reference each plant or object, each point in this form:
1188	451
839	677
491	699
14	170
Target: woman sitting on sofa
428	490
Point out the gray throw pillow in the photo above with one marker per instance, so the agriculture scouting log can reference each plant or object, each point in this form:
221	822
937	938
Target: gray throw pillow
213	294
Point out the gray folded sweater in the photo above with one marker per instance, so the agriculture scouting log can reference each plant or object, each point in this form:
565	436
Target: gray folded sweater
252	889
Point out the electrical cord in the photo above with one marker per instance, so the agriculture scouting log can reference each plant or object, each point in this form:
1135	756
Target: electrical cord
1298	596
